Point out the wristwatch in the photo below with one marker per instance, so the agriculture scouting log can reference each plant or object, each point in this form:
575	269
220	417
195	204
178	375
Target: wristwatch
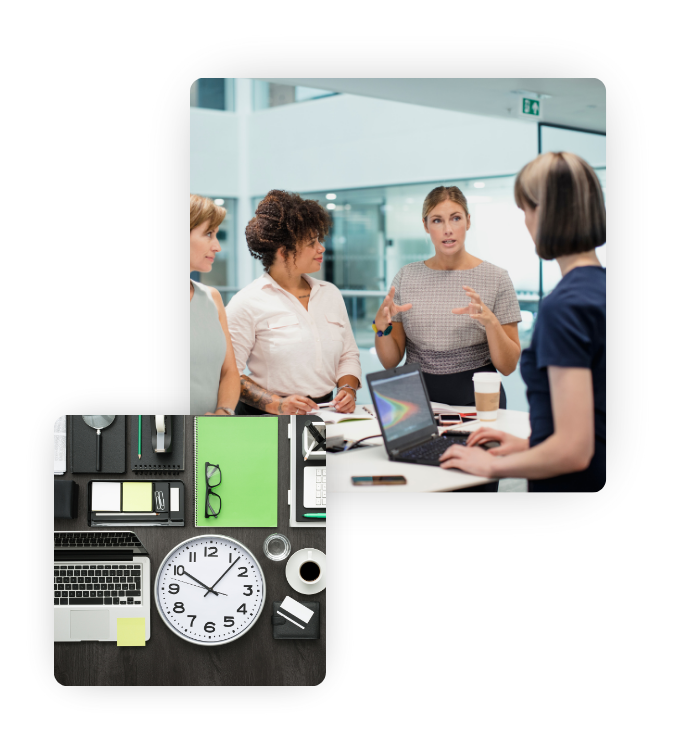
354	390
228	411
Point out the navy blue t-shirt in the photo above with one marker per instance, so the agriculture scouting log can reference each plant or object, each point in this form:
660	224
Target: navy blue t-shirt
570	331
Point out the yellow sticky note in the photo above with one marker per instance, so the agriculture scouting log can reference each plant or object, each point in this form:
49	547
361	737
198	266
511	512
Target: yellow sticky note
131	631
137	497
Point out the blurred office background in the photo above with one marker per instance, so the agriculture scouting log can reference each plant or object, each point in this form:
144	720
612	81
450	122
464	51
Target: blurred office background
369	150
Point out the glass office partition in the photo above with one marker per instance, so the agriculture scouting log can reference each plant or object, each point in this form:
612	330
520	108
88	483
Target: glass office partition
268	95
224	275
213	93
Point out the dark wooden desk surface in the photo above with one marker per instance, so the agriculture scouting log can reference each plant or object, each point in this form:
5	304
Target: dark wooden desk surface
255	659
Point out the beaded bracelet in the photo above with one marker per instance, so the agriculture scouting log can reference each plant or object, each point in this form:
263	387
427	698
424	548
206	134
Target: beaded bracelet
386	332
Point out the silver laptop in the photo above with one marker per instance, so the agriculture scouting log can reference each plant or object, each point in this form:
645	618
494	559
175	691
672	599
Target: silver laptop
99	577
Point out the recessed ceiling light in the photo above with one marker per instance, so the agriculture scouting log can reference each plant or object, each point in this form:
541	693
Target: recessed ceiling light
330	196
478	184
330	206
219	202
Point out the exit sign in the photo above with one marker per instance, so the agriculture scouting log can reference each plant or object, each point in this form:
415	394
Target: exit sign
531	107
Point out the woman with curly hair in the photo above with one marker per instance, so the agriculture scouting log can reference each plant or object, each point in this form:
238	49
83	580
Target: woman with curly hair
290	330
214	378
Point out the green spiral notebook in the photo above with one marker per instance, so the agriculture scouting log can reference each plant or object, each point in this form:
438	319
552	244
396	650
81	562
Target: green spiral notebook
246	450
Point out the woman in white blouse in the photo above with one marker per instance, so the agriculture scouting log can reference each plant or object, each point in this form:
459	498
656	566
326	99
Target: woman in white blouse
290	330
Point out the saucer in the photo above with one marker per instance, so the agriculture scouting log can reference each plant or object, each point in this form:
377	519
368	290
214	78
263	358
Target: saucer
293	571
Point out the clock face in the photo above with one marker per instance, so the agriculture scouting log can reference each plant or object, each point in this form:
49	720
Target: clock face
210	590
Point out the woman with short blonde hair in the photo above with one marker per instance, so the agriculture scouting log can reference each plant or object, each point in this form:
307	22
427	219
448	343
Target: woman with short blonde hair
215	380
565	367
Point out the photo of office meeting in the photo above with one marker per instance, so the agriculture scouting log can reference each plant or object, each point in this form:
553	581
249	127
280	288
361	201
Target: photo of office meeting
428	277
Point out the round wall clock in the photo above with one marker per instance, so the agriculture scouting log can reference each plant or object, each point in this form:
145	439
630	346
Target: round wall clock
210	590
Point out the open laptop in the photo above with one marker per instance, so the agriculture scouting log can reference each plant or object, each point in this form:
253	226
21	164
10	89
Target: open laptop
404	413
99	577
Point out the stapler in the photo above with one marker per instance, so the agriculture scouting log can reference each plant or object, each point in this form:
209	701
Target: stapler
161	433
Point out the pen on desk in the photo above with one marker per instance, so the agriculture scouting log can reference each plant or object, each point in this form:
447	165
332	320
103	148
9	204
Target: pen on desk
315	516
139	437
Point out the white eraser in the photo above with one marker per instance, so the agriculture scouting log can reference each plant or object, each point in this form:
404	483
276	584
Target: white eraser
174	499
106	496
298	610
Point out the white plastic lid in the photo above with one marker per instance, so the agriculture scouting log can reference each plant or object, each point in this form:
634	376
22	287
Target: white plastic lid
486	377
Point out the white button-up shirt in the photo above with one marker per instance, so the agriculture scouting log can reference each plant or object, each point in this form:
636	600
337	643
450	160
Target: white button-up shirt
290	350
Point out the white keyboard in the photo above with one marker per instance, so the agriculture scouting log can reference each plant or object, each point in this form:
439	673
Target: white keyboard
315	487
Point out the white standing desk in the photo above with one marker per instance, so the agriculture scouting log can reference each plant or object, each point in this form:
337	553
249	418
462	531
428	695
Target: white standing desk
373	460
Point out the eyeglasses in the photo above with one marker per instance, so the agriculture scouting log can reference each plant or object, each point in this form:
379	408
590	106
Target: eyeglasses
213	478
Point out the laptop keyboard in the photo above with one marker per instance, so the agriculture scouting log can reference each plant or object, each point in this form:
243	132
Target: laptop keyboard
432	450
97	583
96	540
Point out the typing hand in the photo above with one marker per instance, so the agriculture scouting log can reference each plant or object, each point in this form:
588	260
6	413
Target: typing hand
509	443
201	583
212	588
473	460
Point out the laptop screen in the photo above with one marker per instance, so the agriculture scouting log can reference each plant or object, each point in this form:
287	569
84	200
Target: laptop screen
402	405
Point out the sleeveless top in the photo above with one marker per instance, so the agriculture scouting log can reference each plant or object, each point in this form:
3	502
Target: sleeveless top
208	349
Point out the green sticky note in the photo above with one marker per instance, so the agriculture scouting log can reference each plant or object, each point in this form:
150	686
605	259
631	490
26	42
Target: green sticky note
137	497
131	631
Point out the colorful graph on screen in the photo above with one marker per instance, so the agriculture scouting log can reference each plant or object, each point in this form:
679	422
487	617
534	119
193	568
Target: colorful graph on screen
394	411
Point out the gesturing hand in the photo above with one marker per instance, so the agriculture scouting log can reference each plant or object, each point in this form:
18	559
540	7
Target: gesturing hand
388	310
477	310
212	588
201	583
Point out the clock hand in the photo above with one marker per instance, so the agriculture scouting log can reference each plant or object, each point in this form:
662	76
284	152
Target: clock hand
188	583
210	589
221	577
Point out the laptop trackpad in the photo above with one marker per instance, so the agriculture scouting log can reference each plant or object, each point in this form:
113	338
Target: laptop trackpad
90	625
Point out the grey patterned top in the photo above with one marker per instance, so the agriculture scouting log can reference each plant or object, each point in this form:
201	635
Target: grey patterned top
441	342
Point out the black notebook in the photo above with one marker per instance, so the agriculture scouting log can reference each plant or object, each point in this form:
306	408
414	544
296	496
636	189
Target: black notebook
156	461
83	446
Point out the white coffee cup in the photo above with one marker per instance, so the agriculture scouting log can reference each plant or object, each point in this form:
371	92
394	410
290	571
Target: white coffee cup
310	569
487	395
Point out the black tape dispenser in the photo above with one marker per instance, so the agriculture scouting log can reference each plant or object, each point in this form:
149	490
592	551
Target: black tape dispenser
161	433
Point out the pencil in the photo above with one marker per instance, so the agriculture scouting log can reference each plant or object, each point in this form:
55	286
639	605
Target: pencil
139	438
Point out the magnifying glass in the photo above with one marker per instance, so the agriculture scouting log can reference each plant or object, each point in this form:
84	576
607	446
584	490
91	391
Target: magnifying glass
99	423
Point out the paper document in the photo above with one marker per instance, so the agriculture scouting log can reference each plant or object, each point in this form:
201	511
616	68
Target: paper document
106	496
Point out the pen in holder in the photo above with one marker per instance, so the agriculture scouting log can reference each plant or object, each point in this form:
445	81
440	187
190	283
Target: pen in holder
311	446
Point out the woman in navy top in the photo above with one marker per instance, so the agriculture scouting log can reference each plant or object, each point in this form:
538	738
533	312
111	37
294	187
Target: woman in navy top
565	366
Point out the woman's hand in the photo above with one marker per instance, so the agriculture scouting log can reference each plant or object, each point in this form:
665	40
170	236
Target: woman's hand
473	460
508	443
477	310
388	310
296	404
344	401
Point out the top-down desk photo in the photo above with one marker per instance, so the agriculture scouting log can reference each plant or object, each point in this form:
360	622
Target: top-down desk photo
373	460
166	659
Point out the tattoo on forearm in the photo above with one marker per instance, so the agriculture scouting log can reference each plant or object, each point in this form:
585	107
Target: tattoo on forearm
254	395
